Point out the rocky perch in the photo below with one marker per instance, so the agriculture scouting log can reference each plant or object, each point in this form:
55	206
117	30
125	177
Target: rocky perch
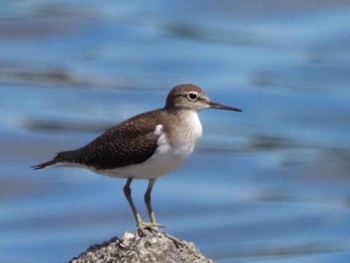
142	246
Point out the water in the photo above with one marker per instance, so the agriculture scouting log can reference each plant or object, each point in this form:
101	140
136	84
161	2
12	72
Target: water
270	184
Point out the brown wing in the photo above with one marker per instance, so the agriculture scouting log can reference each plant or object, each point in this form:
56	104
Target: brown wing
132	141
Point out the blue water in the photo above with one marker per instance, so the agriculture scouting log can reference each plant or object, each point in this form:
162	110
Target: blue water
270	184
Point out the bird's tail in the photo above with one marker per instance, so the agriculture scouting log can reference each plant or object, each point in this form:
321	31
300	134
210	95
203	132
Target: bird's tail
43	165
61	157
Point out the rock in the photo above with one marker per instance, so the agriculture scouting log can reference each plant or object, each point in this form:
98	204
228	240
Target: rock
143	246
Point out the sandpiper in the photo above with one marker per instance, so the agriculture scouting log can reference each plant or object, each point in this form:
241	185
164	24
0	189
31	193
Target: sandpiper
145	146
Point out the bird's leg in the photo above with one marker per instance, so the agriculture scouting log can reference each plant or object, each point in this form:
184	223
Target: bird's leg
140	224
147	197
127	193
154	225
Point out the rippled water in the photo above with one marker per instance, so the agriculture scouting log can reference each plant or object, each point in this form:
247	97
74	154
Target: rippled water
270	184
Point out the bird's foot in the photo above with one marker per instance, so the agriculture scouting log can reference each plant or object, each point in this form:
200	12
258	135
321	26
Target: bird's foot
151	226
154	227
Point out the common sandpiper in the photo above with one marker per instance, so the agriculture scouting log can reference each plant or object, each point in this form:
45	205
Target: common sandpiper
145	146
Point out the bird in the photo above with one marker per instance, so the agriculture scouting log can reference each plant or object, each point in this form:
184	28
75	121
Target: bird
146	146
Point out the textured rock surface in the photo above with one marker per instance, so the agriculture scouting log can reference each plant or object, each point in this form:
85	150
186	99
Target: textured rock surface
142	246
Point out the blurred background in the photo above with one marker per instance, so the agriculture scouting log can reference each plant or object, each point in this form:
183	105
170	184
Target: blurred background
270	184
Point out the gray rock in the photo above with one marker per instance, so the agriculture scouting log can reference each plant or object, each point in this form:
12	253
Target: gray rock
143	246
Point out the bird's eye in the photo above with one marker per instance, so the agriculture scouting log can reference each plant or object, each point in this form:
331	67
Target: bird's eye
192	96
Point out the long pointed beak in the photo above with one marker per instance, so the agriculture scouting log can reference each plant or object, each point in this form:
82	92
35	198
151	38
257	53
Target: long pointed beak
219	106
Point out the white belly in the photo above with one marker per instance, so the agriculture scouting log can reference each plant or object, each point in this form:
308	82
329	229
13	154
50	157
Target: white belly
159	164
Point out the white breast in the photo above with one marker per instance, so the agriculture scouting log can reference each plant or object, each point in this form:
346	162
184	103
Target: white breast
188	131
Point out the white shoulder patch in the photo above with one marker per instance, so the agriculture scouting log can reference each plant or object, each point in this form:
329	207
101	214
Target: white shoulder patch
158	130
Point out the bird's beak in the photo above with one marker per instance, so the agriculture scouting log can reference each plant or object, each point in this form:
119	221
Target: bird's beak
215	105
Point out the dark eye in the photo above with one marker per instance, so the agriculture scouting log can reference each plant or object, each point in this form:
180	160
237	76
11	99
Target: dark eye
192	96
